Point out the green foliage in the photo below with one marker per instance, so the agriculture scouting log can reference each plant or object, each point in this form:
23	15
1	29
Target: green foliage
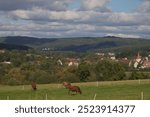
43	67
83	72
138	75
12	81
68	74
39	77
108	70
82	44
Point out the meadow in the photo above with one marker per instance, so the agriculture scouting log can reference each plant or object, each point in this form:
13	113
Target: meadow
108	90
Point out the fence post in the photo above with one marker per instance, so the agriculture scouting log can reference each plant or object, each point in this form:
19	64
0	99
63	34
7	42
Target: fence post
139	81
142	96
95	96
97	83
7	97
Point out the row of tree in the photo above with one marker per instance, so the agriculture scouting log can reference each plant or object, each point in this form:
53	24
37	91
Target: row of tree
44	68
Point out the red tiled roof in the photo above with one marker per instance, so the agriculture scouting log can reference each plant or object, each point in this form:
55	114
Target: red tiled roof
146	63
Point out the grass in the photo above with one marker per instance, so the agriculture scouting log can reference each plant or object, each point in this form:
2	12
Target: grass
110	90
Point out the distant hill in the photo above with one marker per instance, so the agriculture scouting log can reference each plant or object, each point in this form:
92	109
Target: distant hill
20	40
13	47
79	44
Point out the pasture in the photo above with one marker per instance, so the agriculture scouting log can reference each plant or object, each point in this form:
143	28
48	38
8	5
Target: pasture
109	90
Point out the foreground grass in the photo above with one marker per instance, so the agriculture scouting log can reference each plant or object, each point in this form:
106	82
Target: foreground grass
114	90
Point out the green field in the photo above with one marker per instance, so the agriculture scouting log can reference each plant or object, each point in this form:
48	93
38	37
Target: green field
113	90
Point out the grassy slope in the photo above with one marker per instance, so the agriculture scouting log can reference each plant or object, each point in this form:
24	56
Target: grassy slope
119	90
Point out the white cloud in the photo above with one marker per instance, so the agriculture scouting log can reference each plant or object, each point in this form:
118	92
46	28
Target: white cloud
52	18
7	5
145	6
83	17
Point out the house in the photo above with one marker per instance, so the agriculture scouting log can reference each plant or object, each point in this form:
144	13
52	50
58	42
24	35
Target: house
146	64
140	62
73	62
2	51
6	62
137	61
100	54
111	56
59	62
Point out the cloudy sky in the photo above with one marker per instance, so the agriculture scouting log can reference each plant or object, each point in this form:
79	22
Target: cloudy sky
75	18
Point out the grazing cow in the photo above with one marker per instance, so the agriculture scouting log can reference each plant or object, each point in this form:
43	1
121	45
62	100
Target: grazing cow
33	84
74	89
71	88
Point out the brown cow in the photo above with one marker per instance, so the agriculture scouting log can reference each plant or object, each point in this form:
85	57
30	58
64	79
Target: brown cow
71	88
34	87
74	89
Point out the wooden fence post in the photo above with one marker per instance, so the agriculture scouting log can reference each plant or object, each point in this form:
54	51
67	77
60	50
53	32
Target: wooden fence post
139	81
95	96
97	83
142	96
46	96
7	97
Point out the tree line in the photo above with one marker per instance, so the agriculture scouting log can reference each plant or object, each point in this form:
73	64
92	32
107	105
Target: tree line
44	68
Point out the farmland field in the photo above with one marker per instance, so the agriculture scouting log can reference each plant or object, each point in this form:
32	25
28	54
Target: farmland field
110	90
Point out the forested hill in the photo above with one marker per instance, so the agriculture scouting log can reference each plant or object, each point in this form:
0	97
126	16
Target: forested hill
13	47
78	44
21	40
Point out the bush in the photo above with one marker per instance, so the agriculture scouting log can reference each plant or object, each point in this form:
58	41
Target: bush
12	82
138	75
39	76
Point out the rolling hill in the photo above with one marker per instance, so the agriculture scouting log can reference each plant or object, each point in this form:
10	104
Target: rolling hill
79	44
13	47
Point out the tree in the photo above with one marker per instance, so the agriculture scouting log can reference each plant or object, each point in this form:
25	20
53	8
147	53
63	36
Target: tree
83	72
138	75
109	70
39	76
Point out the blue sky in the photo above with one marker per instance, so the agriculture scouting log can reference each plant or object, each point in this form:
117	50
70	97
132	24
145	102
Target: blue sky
75	18
75	5
124	5
115	5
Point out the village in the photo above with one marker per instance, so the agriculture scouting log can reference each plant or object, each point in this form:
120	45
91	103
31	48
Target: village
136	62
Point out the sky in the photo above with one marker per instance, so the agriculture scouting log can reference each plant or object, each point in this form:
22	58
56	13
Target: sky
75	18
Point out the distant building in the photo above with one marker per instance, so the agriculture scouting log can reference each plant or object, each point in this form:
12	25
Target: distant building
73	62
111	56
60	62
146	64
100	54
6	62
137	61
2	51
140	62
